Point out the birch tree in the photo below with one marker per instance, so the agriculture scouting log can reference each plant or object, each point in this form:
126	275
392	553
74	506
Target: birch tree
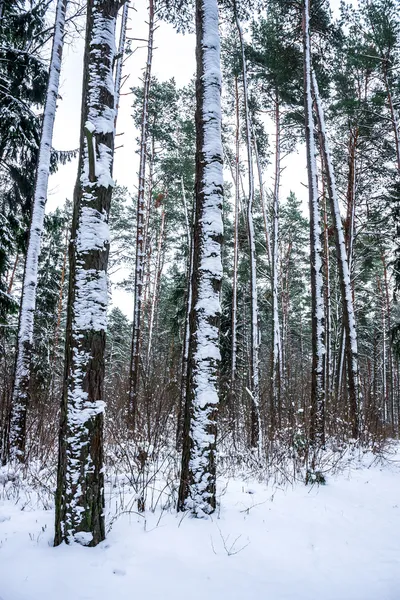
80	480
20	398
197	483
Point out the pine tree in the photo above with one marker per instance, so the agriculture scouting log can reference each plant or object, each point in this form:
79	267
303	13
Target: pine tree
80	494
197	483
317	428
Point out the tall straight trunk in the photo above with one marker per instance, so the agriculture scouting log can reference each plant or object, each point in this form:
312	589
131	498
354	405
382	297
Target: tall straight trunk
186	333
197	483
267	229
59	315
254	379
386	410
60	298
20	396
327	296
276	333
156	285
317	417
395	123
120	57
390	367
344	272
349	241
140	262
328	308
235	250
80	480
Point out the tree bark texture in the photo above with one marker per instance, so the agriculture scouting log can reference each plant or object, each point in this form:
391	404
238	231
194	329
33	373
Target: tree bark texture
197	484
80	484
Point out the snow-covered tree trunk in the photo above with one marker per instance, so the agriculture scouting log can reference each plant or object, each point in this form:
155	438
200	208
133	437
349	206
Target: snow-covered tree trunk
120	57
343	269
80	493
197	484
254	379
186	333
390	362
276	333
235	249
328	311
317	417
140	263
20	397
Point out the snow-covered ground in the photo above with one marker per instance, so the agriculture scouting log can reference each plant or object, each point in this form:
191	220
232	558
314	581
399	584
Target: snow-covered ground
335	542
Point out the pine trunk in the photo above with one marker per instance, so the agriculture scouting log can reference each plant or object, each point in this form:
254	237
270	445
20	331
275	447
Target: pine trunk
197	484
317	416
20	396
140	235
80	493
156	285
276	334
120	57
235	253
344	272
186	333
254	377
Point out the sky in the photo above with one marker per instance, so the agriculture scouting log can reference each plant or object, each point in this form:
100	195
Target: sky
174	56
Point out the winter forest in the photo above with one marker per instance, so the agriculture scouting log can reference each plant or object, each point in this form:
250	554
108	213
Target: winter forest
200	299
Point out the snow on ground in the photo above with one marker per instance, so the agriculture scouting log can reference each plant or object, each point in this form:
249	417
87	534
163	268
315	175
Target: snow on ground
336	542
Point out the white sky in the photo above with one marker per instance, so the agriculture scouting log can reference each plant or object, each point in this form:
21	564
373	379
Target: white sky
174	56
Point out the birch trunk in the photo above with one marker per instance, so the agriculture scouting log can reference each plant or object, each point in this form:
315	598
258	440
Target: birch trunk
197	483
344	273
317	416
80	481
254	379
20	396
140	235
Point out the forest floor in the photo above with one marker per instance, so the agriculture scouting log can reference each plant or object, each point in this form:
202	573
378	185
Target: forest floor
340	541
